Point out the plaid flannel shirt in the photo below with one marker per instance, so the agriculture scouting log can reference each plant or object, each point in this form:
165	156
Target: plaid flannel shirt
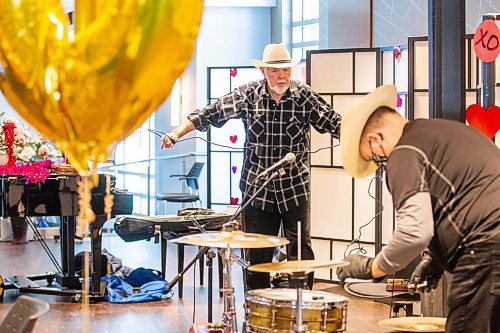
273	129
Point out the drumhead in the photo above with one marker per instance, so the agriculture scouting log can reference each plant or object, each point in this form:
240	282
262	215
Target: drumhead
287	295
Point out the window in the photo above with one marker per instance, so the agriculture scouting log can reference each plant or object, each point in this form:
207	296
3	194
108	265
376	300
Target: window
305	27
134	166
176	103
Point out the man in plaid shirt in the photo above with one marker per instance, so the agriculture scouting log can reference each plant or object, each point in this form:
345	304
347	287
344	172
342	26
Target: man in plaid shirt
277	113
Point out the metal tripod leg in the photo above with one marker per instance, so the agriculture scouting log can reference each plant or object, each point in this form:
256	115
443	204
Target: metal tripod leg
210	255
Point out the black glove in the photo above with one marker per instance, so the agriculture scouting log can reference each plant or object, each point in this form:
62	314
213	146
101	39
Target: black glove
426	275
360	267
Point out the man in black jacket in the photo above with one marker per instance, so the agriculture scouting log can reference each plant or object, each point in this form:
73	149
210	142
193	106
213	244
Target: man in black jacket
444	178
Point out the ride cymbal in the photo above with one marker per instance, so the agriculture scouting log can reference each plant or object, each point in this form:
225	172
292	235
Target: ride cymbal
296	266
232	239
414	324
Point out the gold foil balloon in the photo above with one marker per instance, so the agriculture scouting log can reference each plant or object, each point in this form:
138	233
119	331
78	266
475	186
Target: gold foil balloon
89	93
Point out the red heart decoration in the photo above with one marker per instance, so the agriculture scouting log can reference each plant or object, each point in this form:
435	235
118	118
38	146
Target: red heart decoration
399	101
486	121
234	201
233	72
233	138
397	52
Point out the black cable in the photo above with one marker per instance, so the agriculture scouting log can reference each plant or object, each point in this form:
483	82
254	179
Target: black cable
360	249
250	146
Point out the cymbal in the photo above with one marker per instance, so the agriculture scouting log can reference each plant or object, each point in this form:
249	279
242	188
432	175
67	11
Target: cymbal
233	239
414	324
296	266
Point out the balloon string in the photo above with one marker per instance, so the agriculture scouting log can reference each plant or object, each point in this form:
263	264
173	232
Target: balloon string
250	146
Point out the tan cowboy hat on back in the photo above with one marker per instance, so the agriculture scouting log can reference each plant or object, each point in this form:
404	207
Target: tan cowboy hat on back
275	56
353	123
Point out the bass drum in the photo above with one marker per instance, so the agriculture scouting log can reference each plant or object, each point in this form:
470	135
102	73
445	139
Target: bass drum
274	310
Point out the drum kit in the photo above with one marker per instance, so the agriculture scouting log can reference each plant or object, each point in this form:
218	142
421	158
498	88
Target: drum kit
272	310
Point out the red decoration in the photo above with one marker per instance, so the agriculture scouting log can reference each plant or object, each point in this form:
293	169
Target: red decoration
233	138
486	121
10	136
397	52
233	72
35	172
399	102
234	201
487	41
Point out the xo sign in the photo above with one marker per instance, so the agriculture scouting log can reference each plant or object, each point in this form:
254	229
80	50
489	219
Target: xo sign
487	41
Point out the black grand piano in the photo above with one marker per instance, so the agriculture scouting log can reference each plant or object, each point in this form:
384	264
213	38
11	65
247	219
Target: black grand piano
58	196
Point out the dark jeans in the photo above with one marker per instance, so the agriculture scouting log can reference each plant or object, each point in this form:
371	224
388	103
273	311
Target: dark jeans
263	222
474	299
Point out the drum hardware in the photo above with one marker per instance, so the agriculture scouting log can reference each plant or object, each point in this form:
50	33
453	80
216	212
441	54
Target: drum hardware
226	241
301	276
209	262
414	324
416	286
296	266
229	238
206	328
1	288
396	285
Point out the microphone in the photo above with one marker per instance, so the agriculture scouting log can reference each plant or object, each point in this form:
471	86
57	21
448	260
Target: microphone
289	158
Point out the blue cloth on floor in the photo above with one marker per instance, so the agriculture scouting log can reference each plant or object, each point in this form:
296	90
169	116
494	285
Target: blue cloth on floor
119	291
142	275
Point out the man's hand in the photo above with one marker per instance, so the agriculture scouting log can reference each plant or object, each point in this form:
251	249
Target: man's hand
426	275
169	140
360	267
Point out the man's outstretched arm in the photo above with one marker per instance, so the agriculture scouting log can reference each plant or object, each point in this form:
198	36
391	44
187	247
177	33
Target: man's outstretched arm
171	138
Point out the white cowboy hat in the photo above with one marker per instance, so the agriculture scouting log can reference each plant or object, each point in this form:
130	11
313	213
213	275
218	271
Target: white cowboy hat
275	56
353	123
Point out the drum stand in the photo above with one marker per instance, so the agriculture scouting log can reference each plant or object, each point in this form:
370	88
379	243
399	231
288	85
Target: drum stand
229	315
299	326
301	277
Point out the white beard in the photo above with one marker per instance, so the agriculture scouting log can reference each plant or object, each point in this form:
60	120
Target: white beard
279	90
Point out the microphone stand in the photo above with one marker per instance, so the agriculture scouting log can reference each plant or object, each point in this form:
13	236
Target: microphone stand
232	224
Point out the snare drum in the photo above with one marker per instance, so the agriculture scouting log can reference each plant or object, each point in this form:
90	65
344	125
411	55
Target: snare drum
274	310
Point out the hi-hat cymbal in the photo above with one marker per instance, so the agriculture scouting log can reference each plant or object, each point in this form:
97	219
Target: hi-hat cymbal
233	239
296	266
414	324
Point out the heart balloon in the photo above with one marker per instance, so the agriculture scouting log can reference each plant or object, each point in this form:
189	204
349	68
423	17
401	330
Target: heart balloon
89	92
486	121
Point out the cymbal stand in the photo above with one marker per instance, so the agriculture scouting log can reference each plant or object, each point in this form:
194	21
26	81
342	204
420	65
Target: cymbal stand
229	315
299	326
301	276
234	225
209	262
229	257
